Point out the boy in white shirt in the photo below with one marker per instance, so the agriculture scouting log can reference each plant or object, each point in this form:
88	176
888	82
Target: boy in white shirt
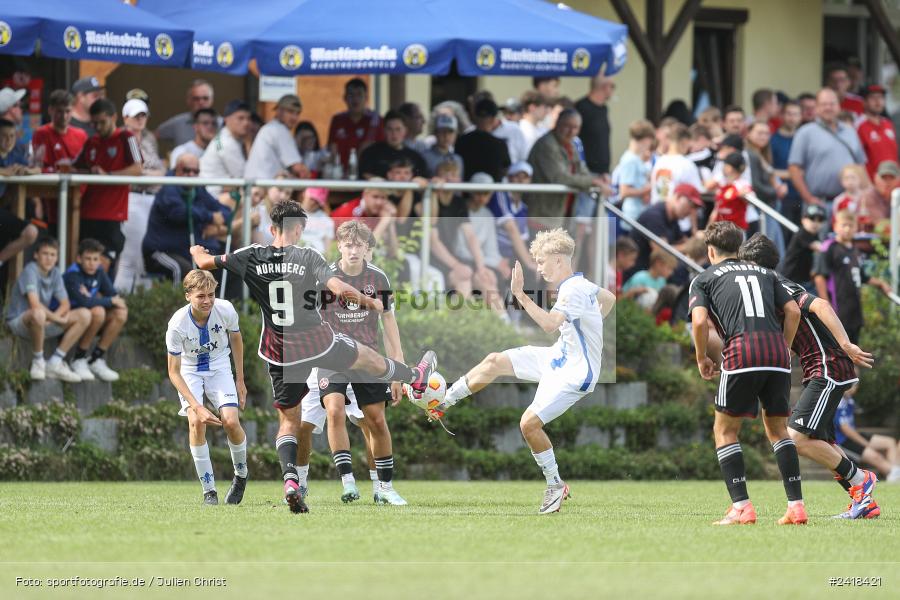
200	337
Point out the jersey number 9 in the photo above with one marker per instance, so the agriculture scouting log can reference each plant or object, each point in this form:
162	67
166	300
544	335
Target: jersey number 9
283	303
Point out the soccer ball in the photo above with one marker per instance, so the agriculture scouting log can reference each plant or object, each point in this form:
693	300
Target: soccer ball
432	396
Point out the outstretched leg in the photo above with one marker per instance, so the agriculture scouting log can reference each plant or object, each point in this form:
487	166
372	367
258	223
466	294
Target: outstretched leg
494	365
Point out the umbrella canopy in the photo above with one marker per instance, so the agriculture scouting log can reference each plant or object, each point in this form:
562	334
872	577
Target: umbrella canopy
92	30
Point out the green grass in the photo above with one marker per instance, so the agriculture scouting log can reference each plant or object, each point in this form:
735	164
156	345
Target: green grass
455	540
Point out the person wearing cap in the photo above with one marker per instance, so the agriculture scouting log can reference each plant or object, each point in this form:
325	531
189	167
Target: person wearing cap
274	149
874	204
86	90
797	263
480	150
319	229
11	105
512	110
663	219
377	157
821	149
595	128
357	127
206	123
225	156
876	132
511	220
534	111
180	128
445	131
15	234
135	114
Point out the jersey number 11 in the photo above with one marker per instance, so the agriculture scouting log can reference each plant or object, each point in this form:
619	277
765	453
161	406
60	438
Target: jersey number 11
753	302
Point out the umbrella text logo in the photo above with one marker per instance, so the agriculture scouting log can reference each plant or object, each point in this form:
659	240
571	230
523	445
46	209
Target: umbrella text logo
581	60
225	55
415	56
486	57
5	33
291	58
165	48
72	39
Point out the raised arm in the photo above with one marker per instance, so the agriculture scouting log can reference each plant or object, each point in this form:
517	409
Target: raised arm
203	258
549	321
823	310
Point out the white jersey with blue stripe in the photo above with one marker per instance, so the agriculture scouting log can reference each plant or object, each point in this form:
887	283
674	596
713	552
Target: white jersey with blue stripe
580	343
206	348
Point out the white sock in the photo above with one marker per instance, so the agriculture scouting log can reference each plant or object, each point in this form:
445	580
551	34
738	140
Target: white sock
458	391
894	475
38	356
546	460
795	502
373	475
303	474
740	504
204	467
239	457
57	357
348	478
858	477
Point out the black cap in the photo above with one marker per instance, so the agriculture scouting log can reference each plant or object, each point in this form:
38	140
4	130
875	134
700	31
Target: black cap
815	212
486	108
234	106
733	140
736	161
85	85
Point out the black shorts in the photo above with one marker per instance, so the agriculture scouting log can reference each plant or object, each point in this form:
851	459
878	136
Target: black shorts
741	393
11	227
289	382
855	447
814	412
367	391
108	233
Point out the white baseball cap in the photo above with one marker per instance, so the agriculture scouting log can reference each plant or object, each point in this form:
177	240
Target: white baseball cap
521	167
9	98
134	107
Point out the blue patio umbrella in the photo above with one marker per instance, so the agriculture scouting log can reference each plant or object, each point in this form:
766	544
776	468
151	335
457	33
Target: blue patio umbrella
92	30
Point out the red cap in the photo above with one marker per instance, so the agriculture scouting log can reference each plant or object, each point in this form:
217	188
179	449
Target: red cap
874	89
689	191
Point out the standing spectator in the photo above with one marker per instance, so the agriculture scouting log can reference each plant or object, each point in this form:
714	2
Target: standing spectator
791	119
480	150
135	114
733	120
797	263
548	87
765	107
226	155
820	150
534	111
453	109
180	128
595	124
765	184
807	103
445	129
176	209
274	149
701	150
730	203
415	125
839	274
875	202
377	158
662	219
876	132
674	167
86	90
838	79
631	177
711	118
311	152
357	127
555	159
319	229
57	143
110	151
512	110
205	123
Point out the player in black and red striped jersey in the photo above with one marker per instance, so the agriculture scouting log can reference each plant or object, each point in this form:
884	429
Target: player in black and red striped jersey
284	279
742	300
827	357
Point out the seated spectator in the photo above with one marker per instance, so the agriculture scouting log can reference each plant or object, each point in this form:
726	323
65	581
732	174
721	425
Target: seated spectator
226	155
274	149
662	219
626	256
856	183
645	285
674	167
206	124
319	229
450	217
375	210
797	263
445	130
110	151
631	177
878	451
480	149
730	202
415	125
180	217
666	304
311	152
13	157
377	158
511	220
39	308
357	127
875	202
453	108
401	171
89	287
85	91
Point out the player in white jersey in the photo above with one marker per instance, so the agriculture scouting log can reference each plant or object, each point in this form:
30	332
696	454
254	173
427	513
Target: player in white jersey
200	338
566	371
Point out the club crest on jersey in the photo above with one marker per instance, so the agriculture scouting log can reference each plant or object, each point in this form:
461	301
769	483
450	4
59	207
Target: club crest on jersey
217	328
323	383
112	151
369	290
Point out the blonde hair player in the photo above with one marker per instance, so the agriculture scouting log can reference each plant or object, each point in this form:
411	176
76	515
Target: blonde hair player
199	339
566	371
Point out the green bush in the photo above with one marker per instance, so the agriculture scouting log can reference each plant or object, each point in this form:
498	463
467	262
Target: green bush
149	310
880	387
135	385
636	333
35	424
144	426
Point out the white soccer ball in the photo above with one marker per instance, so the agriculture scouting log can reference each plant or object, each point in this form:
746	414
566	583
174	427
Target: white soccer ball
433	395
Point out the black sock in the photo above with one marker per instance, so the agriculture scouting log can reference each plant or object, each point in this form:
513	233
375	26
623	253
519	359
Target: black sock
843	483
79	353
789	464
286	446
385	468
731	460
343	460
397	371
97	353
845	469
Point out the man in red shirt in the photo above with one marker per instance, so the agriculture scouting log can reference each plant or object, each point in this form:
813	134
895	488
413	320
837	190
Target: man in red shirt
110	151
374	209
876	133
836	78
357	127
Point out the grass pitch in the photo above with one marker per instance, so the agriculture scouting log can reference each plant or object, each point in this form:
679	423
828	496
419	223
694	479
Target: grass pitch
455	540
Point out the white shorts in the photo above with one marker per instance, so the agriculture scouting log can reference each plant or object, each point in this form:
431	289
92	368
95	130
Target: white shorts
217	385
312	411
558	389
